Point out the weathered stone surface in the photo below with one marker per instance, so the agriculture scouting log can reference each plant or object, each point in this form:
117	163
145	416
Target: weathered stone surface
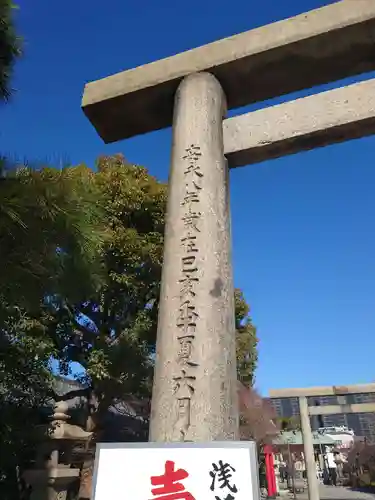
308	448
315	121
50	484
195	387
60	429
310	49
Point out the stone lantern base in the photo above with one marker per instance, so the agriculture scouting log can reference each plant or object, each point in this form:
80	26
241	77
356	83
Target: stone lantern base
50	484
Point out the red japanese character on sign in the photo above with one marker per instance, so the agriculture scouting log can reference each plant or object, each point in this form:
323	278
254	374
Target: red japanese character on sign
169	486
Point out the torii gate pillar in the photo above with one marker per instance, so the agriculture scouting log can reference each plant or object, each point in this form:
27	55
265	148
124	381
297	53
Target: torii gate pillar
195	391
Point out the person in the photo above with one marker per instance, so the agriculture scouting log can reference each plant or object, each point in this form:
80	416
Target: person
283	472
332	468
333	473
317	471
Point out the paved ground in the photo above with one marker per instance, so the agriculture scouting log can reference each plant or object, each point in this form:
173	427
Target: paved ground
337	493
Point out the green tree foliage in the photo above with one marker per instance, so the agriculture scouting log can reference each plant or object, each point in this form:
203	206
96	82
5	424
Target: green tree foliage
49	240
49	234
25	380
10	46
81	257
246	341
112	332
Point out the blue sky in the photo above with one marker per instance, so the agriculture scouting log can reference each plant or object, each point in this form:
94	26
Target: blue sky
303	226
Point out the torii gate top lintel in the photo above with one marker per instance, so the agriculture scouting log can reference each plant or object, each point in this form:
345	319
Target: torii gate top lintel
321	46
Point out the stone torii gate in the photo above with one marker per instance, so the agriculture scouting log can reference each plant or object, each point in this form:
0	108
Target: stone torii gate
195	392
305	410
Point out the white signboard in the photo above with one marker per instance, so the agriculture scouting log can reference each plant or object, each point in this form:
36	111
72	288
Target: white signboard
176	471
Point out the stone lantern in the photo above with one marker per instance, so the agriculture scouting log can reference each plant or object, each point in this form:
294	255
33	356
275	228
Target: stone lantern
51	479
